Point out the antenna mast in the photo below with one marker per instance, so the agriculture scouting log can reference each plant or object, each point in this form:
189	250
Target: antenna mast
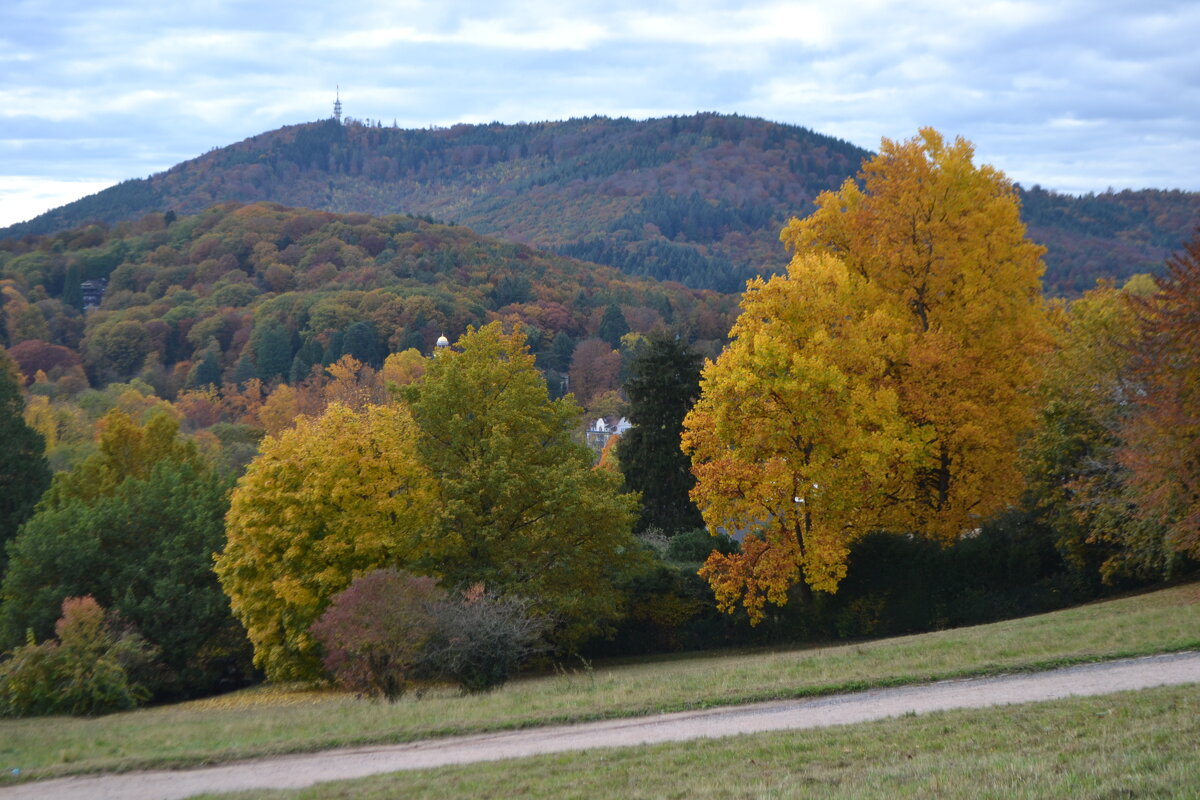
337	105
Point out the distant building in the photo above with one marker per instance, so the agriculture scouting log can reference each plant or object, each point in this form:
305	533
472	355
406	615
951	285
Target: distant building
598	432
93	293
337	105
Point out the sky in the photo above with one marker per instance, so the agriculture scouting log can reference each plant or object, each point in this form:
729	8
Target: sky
1075	95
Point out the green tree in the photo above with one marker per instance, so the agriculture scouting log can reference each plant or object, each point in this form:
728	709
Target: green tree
72	291
664	382
272	346
362	342
24	471
89	669
325	501
520	508
122	348
139	538
561	350
613	326
207	370
1076	479
244	370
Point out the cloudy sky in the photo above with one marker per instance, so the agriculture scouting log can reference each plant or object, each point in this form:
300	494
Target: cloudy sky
1077	95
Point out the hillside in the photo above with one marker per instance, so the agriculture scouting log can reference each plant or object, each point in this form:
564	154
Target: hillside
264	291
696	199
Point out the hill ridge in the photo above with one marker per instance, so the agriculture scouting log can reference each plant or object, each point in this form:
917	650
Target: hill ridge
698	199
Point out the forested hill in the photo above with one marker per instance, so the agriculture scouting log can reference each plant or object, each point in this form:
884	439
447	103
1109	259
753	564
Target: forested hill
263	291
697	199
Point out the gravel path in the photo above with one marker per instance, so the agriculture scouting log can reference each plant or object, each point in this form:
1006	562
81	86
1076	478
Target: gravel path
306	769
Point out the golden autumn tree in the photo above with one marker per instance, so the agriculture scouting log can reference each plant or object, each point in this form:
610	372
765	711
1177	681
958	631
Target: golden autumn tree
797	436
883	383
327	500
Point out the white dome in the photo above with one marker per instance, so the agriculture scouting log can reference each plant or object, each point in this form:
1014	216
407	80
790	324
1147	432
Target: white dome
443	341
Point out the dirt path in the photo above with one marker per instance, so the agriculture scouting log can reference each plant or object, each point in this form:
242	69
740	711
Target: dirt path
306	769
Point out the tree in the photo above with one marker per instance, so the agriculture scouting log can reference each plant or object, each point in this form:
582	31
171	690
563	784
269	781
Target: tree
561	349
207	371
1163	437
24	471
271	343
72	295
244	370
1076	479
613	326
403	368
135	529
362	342
124	450
327	500
90	668
595	368
664	382
797	436
520	509
883	383
375	631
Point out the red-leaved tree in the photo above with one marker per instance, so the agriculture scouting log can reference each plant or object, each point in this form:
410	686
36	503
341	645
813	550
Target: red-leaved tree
1163	438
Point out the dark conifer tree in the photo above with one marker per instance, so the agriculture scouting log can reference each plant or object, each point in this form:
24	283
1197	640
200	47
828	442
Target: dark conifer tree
207	371
561	350
244	370
362	342
24	472
72	294
272	344
613	326
664	382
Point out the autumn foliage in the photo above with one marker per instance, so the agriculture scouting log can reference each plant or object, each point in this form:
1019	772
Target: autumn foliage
325	501
1163	439
881	384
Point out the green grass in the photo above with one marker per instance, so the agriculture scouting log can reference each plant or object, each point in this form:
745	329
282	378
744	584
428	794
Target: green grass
1134	744
270	720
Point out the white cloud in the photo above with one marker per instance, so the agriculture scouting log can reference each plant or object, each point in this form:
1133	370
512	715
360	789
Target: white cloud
23	197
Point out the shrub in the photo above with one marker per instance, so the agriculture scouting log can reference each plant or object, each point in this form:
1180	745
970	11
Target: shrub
481	639
695	545
375	631
389	629
90	669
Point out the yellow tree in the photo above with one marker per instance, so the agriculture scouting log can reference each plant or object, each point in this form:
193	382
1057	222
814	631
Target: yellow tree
124	450
882	384
797	438
943	242
325	501
403	368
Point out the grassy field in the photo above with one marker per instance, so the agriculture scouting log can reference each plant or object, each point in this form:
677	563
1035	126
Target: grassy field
270	720
1134	744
